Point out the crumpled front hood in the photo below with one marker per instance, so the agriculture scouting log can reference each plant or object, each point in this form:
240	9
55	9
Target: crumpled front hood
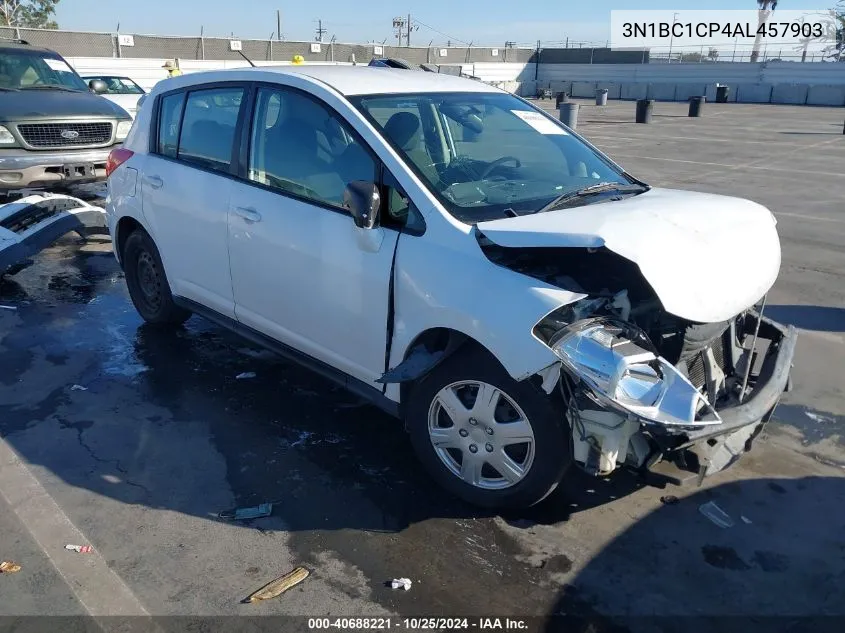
708	257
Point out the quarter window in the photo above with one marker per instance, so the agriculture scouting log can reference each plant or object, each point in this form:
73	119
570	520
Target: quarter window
299	147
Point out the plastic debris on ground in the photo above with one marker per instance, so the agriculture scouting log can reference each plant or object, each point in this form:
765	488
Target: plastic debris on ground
669	500
12	308
279	586
8	567
400	583
80	549
716	514
78	388
245	375
243	514
745	520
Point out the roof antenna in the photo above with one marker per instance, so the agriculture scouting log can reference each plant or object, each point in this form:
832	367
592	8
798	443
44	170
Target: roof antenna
246	58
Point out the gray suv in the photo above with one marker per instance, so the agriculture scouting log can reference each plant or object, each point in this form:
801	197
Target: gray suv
54	130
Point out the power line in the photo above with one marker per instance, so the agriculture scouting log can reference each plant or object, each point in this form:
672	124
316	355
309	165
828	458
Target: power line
431	28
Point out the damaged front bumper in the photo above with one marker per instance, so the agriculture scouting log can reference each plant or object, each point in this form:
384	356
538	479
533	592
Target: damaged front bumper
629	407
698	453
35	222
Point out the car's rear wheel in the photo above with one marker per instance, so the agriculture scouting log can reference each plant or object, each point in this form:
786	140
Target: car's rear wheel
147	281
485	437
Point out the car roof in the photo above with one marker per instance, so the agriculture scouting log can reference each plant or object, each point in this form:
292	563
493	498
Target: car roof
348	80
24	47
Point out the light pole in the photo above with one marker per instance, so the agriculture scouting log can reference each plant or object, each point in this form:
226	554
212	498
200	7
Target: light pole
672	36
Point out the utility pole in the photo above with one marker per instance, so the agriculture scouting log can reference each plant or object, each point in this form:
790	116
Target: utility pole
278	25
320	30
408	36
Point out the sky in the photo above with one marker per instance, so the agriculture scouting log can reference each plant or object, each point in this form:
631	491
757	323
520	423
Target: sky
489	23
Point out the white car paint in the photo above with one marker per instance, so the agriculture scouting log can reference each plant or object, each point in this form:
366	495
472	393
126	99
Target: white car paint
127	102
688	245
442	279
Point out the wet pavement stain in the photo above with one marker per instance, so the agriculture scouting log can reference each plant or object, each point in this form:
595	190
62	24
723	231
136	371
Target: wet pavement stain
777	488
724	558
558	564
814	425
770	561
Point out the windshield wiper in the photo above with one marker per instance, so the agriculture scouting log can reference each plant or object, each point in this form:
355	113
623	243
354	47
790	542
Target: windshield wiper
602	187
51	87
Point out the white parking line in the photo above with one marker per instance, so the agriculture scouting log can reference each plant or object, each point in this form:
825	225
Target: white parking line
728	166
810	217
100	591
706	139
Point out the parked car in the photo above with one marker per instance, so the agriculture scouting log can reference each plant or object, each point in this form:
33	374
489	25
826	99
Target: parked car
462	260
120	90
54	131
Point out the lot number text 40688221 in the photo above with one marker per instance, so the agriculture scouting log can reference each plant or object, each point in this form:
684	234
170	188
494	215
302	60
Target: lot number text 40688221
417	623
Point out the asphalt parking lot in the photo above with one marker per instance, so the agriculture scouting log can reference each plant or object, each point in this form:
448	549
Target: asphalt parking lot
162	436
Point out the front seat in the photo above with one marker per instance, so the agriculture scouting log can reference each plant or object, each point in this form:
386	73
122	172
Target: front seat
404	130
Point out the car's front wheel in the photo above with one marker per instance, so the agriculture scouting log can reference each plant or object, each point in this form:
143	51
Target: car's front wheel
147	282
485	437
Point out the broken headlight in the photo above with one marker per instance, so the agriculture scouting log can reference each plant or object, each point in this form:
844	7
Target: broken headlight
617	363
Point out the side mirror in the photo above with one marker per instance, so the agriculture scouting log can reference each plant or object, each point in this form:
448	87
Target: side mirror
98	86
363	201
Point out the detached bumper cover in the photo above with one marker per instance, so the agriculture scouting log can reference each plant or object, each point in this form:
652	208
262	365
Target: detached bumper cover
711	449
35	222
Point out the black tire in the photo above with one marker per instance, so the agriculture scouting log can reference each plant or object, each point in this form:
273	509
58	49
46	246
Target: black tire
147	282
552	439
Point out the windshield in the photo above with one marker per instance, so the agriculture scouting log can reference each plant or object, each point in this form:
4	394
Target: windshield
22	70
119	85
489	156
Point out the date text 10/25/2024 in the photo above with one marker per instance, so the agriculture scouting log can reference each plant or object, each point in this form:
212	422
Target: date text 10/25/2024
417	623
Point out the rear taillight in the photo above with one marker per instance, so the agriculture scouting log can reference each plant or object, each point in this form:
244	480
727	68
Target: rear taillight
116	158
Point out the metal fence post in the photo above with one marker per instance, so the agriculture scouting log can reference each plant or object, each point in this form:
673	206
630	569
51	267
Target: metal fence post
331	50
115	46
270	58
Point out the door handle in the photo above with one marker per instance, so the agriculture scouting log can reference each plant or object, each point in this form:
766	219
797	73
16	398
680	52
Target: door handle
248	213
155	182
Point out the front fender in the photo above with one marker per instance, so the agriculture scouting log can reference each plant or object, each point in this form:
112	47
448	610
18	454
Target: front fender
458	288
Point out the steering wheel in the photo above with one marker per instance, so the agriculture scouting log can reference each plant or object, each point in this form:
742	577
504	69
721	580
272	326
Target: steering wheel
498	162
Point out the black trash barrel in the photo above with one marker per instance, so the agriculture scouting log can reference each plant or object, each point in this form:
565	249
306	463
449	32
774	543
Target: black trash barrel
562	97
569	114
695	105
644	109
722	93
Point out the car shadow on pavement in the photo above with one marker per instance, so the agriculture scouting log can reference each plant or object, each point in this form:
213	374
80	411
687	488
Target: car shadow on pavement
778	567
818	318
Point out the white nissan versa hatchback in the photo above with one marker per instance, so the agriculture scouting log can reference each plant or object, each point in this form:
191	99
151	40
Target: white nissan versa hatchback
462	260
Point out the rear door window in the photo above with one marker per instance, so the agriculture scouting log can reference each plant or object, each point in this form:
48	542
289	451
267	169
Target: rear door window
208	127
168	130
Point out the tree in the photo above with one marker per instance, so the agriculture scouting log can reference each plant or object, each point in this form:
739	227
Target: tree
765	8
37	14
713	54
